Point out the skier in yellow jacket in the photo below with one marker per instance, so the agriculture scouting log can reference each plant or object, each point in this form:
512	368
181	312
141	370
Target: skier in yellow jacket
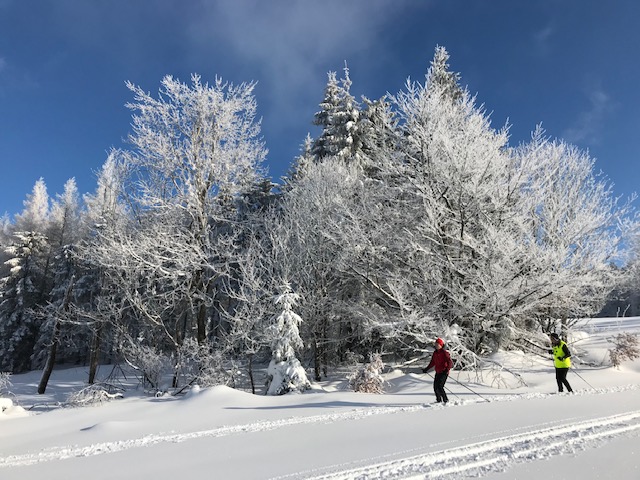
561	360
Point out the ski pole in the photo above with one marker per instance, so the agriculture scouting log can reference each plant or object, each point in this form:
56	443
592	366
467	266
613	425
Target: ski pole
472	391
575	370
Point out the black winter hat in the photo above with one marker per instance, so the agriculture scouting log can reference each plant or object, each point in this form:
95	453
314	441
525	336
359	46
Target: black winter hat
554	335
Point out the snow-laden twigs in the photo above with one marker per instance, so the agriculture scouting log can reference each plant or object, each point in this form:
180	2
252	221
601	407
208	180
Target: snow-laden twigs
626	347
92	395
368	378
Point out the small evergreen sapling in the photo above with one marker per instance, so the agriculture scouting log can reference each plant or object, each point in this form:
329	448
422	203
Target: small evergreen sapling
285	373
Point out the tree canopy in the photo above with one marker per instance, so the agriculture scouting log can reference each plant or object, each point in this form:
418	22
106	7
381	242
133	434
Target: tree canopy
408	217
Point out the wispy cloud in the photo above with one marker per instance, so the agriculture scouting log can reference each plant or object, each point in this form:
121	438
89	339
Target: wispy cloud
589	125
12	79
542	39
286	45
291	44
542	36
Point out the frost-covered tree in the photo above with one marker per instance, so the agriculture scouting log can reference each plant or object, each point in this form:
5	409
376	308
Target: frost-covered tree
55	314
35	215
446	184
195	151
21	294
626	347
574	230
104	208
380	135
65	227
64	233
308	241
441	235
440	75
97	301
5	228
26	284
6	231
285	372
322	202
41	268
324	118
477	217
300	164
339	119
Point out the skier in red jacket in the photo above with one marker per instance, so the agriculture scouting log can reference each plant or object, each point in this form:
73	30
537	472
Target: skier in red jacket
441	360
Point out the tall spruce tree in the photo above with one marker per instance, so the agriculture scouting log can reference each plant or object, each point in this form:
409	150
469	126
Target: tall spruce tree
339	119
27	283
21	295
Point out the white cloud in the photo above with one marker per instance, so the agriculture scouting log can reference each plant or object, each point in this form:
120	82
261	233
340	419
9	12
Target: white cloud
589	125
13	79
542	39
542	36
292	44
286	45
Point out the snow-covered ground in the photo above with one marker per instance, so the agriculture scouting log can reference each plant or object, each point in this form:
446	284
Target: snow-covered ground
489	429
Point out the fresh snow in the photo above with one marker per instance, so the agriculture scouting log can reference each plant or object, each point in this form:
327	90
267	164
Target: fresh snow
500	429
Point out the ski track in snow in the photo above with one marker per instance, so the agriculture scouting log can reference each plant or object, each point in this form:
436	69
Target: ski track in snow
487	455
496	454
61	453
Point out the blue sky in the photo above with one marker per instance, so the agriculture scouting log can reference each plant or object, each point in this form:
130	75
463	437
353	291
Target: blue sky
571	65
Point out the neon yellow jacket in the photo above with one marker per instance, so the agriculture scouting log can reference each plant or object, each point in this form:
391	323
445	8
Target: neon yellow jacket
561	351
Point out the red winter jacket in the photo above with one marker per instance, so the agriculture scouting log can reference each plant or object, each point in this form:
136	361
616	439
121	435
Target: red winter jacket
441	360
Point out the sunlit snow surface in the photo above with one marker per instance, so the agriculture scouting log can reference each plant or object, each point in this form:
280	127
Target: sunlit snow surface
494	427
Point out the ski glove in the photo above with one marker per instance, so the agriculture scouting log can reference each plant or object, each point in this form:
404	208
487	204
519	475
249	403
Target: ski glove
562	358
424	370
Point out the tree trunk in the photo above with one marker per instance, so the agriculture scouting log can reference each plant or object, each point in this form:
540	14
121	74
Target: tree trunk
316	360
94	356
51	359
253	384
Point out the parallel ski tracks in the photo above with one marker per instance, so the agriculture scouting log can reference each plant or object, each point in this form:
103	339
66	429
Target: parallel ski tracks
476	456
496	454
61	453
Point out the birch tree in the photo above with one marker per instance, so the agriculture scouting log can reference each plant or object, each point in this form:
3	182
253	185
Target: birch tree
196	148
574	228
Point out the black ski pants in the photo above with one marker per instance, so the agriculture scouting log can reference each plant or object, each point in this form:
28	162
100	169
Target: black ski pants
561	378
438	386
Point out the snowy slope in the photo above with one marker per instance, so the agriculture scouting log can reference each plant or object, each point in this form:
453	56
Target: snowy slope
524	432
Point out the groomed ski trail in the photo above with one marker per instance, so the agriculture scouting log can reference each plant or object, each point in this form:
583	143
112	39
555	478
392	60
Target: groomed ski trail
61	453
66	452
480	458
